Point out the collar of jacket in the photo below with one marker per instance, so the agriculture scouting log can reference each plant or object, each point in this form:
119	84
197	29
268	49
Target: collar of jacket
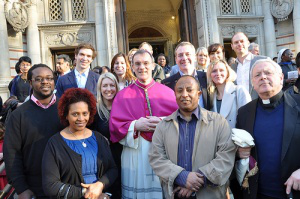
204	115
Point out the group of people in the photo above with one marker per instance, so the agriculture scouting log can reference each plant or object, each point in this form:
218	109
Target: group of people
140	131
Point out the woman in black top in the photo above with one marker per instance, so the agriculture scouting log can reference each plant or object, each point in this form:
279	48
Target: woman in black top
77	162
107	88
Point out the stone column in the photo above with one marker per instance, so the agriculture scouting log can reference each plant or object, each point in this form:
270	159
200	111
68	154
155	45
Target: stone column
32	35
214	25
269	30
296	23
4	55
105	26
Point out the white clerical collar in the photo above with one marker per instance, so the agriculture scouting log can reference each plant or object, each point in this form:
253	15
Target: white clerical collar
267	101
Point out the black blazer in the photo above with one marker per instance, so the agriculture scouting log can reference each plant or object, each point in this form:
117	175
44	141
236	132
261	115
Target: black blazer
61	165
290	143
172	80
69	81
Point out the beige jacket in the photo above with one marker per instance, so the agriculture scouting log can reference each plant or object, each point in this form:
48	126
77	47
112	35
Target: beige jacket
213	153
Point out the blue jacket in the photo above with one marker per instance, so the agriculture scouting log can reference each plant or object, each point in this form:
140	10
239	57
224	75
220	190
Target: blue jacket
69	81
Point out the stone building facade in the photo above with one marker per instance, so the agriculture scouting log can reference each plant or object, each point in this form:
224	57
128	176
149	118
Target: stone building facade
44	29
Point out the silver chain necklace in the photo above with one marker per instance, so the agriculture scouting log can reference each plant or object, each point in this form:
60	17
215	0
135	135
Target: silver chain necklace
82	142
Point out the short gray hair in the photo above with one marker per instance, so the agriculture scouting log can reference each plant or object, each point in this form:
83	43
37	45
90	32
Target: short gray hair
142	52
252	46
276	66
185	43
65	57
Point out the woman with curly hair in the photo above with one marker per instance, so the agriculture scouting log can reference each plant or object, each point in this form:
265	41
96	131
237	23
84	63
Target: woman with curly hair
77	162
121	69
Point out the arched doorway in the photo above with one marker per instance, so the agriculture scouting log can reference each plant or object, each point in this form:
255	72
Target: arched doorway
158	41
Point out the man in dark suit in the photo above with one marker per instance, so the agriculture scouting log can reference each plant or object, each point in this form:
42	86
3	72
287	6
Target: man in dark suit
185	56
274	122
244	61
81	76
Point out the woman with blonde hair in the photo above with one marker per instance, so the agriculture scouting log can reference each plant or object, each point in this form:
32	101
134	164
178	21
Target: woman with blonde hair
226	97
107	89
121	69
202	59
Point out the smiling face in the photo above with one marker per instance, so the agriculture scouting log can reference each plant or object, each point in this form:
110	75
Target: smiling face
219	74
108	89
202	58
83	59
187	94
287	56
161	60
185	59
266	81
42	83
142	67
78	116
120	66
218	55
240	44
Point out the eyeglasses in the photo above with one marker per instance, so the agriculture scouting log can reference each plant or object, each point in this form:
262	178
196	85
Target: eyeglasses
40	79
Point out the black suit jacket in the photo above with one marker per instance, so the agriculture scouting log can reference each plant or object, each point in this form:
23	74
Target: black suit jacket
290	160
171	81
69	81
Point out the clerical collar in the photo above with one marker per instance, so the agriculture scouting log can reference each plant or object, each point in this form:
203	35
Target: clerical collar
143	86
273	102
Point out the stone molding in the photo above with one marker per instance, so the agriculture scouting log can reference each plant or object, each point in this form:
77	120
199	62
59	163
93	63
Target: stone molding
281	9
16	13
229	30
68	38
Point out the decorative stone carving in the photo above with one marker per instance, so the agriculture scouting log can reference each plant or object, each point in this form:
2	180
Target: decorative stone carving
16	13
281	9
68	39
229	30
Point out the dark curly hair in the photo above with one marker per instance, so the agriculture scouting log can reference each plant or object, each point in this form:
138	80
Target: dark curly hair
72	96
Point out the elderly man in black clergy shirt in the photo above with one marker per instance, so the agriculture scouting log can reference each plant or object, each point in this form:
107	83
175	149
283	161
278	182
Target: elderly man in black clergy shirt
274	122
27	132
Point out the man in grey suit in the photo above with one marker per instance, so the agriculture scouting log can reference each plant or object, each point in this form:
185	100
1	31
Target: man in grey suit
244	61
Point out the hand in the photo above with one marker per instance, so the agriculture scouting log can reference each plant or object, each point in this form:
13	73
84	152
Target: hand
243	152
293	181
183	192
146	123
194	181
94	190
104	196
291	81
28	194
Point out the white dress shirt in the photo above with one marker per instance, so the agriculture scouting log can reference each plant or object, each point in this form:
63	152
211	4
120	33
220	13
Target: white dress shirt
81	78
243	72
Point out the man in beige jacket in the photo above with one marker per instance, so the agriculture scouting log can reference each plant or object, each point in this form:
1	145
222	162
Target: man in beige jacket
192	152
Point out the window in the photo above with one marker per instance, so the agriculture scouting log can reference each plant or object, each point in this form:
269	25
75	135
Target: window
227	7
55	10
236	7
245	6
78	10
